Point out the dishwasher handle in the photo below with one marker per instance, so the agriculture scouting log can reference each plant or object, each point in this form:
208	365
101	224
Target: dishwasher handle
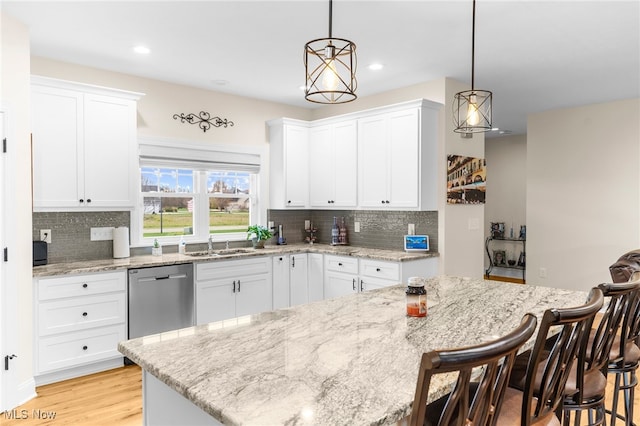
164	277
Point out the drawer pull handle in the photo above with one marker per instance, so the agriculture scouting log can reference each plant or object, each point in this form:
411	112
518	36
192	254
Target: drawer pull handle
339	264
85	285
84	314
84	348
377	269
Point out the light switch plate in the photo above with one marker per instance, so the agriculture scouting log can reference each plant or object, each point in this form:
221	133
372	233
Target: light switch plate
45	235
411	229
102	234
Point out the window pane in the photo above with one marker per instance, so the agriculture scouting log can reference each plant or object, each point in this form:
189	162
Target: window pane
221	182
228	214
166	216
166	180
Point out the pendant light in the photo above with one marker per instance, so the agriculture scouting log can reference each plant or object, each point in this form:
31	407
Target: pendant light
472	108
330	68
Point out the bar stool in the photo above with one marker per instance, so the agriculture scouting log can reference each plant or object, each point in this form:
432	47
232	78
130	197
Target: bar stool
586	387
624	358
473	400
549	366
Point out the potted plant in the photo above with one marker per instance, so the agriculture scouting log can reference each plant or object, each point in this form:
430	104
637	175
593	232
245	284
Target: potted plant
258	234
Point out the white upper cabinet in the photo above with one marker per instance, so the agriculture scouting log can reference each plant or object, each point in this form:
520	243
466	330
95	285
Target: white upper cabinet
84	146
289	165
384	158
333	165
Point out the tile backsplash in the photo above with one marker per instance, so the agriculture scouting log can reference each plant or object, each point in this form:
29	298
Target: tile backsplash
71	234
378	229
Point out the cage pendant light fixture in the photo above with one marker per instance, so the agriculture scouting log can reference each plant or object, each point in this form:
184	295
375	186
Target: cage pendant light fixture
330	68
472	108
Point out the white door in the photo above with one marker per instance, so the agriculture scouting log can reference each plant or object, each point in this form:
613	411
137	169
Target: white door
253	294
315	276
215	301
9	395
403	154
372	162
57	116
345	141
296	167
280	276
298	283
337	284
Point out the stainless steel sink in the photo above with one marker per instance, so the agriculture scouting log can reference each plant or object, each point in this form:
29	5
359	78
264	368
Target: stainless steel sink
222	252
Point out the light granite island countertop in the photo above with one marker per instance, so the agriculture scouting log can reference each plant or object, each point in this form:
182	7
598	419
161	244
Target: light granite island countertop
352	360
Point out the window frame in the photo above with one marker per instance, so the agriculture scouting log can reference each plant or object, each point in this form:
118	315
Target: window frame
180	154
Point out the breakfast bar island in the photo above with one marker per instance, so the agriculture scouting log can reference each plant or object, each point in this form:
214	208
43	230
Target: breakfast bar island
351	360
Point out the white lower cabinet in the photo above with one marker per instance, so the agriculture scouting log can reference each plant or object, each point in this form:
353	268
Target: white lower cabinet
79	321
290	280
232	288
347	275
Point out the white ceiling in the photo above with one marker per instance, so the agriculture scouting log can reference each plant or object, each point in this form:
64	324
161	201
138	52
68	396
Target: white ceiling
533	55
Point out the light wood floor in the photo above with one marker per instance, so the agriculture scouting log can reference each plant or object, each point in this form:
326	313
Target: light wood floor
111	398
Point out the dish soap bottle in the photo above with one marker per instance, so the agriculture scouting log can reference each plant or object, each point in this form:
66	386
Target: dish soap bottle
182	246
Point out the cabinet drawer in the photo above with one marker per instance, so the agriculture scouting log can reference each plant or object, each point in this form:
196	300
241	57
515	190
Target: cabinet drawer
72	349
81	313
81	285
378	269
233	268
341	264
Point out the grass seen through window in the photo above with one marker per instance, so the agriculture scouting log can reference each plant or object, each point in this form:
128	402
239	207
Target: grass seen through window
179	222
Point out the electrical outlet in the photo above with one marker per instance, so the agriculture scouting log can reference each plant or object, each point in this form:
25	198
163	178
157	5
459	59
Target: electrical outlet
356	226
102	234
542	272
411	229
45	235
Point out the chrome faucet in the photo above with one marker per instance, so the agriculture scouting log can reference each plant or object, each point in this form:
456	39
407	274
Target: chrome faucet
210	245
226	246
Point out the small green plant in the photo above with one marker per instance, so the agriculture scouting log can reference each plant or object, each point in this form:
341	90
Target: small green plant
258	232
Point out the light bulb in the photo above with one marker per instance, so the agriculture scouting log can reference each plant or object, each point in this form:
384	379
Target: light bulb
473	116
330	76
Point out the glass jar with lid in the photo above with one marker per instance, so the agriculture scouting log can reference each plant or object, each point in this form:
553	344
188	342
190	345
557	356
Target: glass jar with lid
416	298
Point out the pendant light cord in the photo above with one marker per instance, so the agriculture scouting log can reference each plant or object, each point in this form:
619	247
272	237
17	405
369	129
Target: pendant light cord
473	44
331	17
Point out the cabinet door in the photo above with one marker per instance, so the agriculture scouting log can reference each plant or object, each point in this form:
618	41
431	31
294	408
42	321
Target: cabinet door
372	162
57	145
215	301
253	294
109	151
298	282
345	171
315	276
296	155
321	167
403	154
337	284
280	279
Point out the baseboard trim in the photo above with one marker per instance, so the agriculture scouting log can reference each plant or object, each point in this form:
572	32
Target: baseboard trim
26	391
83	370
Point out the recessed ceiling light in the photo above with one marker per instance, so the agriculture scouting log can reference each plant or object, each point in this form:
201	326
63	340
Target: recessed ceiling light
143	50
376	67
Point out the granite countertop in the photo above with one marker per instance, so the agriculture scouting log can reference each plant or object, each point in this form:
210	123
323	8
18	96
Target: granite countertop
352	360
89	266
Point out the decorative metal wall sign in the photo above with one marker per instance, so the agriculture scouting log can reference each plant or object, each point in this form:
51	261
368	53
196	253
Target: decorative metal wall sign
203	120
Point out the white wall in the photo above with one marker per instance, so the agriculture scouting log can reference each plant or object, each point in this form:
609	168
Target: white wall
583	196
461	225
506	189
14	100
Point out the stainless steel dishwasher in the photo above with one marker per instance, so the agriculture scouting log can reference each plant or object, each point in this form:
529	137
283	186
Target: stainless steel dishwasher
160	299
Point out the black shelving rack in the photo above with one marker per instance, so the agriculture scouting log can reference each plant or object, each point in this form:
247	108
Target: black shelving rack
519	265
